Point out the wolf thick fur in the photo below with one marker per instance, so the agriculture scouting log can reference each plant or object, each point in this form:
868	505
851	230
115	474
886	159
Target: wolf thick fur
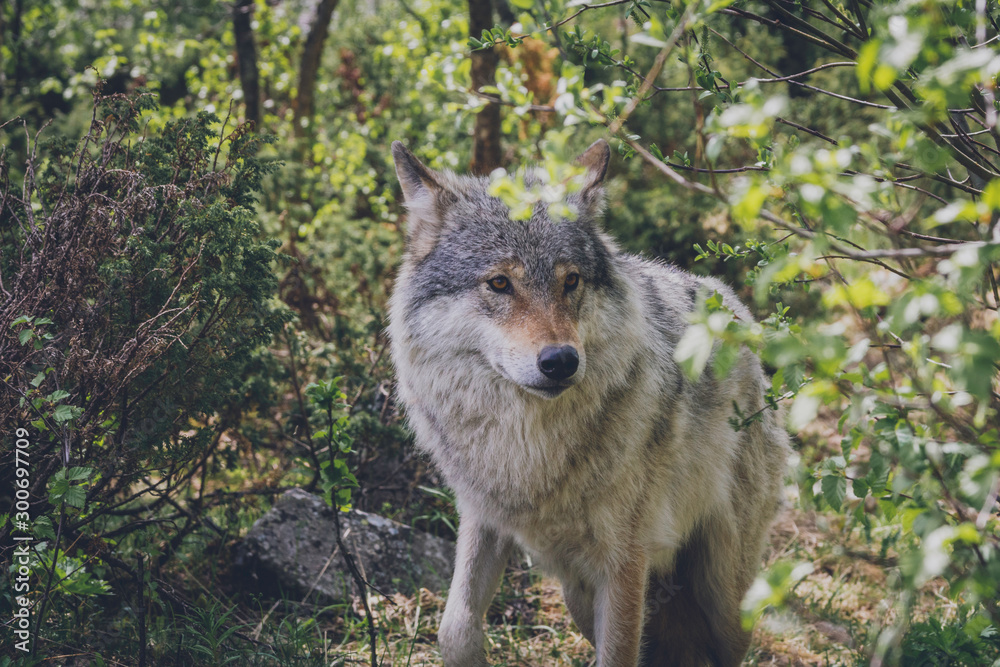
624	479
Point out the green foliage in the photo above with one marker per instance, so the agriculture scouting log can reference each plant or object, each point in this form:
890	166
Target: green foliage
63	489
933	643
442	513
138	288
337	479
212	635
71	576
493	37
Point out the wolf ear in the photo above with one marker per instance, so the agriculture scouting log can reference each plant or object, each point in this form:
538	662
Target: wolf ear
423	192
416	180
595	159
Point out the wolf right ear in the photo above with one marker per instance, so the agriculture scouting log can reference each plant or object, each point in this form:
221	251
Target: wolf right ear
416	180
595	159
423	192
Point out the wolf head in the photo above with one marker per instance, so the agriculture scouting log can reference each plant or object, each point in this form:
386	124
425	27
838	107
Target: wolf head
510	296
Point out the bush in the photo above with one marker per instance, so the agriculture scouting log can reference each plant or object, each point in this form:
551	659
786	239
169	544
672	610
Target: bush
135	306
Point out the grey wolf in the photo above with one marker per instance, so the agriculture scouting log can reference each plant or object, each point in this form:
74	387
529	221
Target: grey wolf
536	363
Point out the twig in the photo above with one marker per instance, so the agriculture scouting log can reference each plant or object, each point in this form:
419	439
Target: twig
141	610
808	130
861	18
304	414
792	77
361	583
848	23
734	170
52	573
886	253
496	99
585	8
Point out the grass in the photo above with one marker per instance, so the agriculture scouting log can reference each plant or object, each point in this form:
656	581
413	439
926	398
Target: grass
828	620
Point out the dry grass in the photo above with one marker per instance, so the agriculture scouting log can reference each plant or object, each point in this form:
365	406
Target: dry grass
829	618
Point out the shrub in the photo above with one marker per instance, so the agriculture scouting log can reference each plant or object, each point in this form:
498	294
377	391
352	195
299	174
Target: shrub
134	306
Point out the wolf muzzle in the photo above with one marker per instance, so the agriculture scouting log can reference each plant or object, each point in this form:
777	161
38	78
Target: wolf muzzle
558	362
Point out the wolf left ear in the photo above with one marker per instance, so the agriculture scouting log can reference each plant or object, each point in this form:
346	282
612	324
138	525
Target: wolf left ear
595	159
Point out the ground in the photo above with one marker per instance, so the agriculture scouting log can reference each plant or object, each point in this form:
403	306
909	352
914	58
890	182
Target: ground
829	615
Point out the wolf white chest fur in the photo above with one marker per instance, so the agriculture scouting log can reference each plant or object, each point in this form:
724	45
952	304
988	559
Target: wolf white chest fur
536	364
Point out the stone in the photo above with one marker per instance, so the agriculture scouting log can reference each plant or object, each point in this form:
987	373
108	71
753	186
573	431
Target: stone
292	550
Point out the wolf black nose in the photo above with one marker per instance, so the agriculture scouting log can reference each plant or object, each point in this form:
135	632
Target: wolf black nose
558	362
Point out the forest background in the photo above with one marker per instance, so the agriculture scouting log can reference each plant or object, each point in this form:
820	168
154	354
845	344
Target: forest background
199	225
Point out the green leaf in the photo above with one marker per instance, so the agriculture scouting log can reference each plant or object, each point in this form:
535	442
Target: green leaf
717	5
878	472
342	498
834	490
78	473
43	529
804	410
693	350
75	496
64	413
25	335
724	359
867	59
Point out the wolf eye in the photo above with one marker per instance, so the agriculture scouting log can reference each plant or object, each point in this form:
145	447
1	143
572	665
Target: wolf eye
572	280
499	284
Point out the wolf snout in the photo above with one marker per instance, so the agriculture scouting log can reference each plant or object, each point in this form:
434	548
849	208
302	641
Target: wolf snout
558	362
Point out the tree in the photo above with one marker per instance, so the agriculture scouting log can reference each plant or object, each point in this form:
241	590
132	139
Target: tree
312	52
246	56
486	149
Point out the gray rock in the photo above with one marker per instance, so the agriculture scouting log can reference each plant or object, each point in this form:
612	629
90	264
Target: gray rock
288	551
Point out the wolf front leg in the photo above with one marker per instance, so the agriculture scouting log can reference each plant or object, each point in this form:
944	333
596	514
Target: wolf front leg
618	608
480	558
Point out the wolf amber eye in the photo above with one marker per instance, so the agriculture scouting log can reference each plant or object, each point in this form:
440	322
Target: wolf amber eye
572	280
499	284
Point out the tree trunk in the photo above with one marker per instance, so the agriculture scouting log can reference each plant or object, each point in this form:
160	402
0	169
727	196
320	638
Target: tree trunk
486	135
246	55
312	53
3	37
15	45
